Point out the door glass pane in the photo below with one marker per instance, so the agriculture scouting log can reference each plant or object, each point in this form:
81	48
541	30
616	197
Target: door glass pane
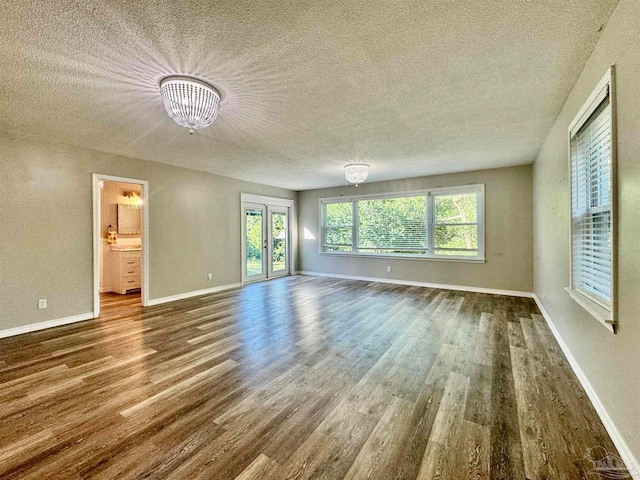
254	242
279	232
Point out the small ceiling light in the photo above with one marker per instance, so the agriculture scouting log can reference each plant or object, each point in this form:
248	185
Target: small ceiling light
356	172
192	103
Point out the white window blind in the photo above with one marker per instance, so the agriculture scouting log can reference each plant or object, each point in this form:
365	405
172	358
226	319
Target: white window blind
591	200
444	222
393	225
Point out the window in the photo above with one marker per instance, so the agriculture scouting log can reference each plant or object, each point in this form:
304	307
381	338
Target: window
441	223
455	224
338	227
591	161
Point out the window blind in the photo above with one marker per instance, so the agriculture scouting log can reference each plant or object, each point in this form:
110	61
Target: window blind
591	204
396	225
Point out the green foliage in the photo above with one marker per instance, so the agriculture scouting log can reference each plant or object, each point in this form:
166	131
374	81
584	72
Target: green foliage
254	234
452	209
456	208
339	214
339	235
254	266
279	240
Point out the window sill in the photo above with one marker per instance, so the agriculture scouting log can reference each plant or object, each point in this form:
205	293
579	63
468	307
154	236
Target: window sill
405	257
600	313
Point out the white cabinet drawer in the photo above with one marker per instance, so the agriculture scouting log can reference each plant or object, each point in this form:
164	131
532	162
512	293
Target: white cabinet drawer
130	282
130	271
130	262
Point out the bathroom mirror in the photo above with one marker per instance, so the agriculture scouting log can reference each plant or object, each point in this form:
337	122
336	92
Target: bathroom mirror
128	219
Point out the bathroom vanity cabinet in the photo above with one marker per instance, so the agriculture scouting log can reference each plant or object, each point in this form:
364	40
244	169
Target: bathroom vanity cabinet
125	270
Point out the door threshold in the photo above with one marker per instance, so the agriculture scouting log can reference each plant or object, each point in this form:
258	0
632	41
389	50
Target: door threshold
246	282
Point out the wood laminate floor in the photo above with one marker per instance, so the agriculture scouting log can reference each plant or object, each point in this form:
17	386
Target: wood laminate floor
297	378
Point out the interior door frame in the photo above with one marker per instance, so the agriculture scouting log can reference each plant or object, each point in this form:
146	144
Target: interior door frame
144	237
293	231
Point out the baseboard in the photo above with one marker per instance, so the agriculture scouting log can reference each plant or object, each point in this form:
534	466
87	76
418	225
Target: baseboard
461	288
34	327
195	293
625	453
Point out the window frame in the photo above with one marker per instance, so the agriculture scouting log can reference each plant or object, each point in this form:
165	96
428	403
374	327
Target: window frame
603	312
429	194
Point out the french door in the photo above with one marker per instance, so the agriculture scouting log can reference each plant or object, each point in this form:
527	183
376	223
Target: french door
266	242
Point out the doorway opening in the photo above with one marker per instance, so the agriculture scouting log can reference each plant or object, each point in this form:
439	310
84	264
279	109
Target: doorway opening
266	237
120	244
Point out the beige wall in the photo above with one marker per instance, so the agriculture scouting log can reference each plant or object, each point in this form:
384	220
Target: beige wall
508	209
610	362
46	227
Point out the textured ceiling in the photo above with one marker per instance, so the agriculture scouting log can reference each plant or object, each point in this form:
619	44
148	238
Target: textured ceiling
411	87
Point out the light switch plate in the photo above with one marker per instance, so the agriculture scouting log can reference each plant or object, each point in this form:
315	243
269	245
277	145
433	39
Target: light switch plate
42	303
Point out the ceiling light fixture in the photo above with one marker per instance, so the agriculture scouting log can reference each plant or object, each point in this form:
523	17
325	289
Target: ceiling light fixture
356	172
192	103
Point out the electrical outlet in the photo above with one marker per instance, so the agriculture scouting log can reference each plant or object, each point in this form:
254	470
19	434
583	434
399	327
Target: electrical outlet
209	276
388	268
42	303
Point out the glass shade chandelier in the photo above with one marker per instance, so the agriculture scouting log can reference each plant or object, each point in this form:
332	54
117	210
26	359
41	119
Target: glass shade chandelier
356	172
191	103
